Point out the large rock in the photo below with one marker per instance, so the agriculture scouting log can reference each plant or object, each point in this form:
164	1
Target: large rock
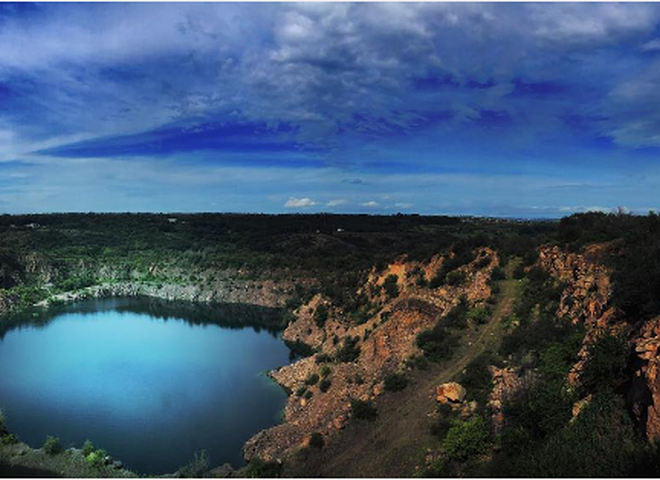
450	393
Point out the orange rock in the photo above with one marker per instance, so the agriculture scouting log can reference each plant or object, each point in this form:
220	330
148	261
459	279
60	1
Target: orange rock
451	392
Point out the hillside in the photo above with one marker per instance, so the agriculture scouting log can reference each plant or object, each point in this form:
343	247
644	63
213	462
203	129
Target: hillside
433	346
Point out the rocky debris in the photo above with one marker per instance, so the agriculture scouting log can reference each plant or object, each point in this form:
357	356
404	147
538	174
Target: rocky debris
586	298
507	383
451	393
645	392
579	406
383	343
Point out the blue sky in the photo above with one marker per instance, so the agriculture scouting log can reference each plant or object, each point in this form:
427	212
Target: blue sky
525	110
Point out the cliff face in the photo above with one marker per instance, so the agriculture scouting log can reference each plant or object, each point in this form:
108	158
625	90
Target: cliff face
587	294
587	299
382	344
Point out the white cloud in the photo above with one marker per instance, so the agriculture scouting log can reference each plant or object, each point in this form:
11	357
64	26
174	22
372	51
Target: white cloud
294	202
403	205
370	204
651	46
336	203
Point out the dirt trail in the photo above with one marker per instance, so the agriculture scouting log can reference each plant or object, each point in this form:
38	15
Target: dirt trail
397	441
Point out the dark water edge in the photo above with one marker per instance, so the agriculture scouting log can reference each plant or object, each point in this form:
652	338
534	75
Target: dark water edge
227	315
261	408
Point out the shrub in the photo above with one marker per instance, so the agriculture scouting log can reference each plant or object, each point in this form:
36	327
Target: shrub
363	410
312	379
478	315
418	362
324	385
395	382
52	445
316	440
3	425
97	458
605	364
258	468
466	439
390	286
87	448
437	343
349	351
197	467
519	272
9	439
455	278
320	315
325	371
497	274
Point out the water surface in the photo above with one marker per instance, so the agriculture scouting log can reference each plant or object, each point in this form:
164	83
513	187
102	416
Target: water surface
149	389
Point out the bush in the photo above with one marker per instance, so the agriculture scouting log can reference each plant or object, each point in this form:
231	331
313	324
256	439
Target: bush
390	286
52	445
325	371
497	274
3	424
97	458
321	315
316	440
9	439
325	384
479	315
312	379
466	439
437	343
87	448
455	278
258	468
605	364
349	351
197	467
395	382
363	410
519	272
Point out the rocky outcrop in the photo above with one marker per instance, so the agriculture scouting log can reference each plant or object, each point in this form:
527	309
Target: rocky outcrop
507	383
383	343
587	294
644	395
450	393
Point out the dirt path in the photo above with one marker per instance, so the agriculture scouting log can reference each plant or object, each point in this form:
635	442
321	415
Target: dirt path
397	441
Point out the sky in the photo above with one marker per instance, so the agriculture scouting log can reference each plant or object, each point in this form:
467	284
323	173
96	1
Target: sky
492	109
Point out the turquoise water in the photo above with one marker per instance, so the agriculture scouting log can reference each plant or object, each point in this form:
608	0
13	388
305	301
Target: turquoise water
149	390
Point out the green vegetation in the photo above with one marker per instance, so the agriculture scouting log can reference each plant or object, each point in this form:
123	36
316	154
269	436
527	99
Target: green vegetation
363	410
325	385
390	286
312	379
321	315
52	445
316	440
87	448
258	468
395	382
349	350
466	439
197	466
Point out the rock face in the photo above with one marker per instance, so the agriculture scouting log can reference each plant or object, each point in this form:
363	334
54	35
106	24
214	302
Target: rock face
645	394
587	299
450	393
507	383
587	294
383	343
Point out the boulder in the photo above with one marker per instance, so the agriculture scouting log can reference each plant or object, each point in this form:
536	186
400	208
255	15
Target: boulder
450	393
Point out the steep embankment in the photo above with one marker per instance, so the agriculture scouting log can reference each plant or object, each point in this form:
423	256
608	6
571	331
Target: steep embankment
587	299
352	361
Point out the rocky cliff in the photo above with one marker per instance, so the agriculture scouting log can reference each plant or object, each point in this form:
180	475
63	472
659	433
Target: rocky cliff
323	384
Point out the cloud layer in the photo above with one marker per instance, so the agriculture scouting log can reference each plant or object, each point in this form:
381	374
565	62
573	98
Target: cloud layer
434	107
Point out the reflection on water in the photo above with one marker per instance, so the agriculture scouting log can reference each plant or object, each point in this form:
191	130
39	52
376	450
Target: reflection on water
149	381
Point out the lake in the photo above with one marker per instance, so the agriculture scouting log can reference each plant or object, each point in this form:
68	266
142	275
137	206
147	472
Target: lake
148	383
